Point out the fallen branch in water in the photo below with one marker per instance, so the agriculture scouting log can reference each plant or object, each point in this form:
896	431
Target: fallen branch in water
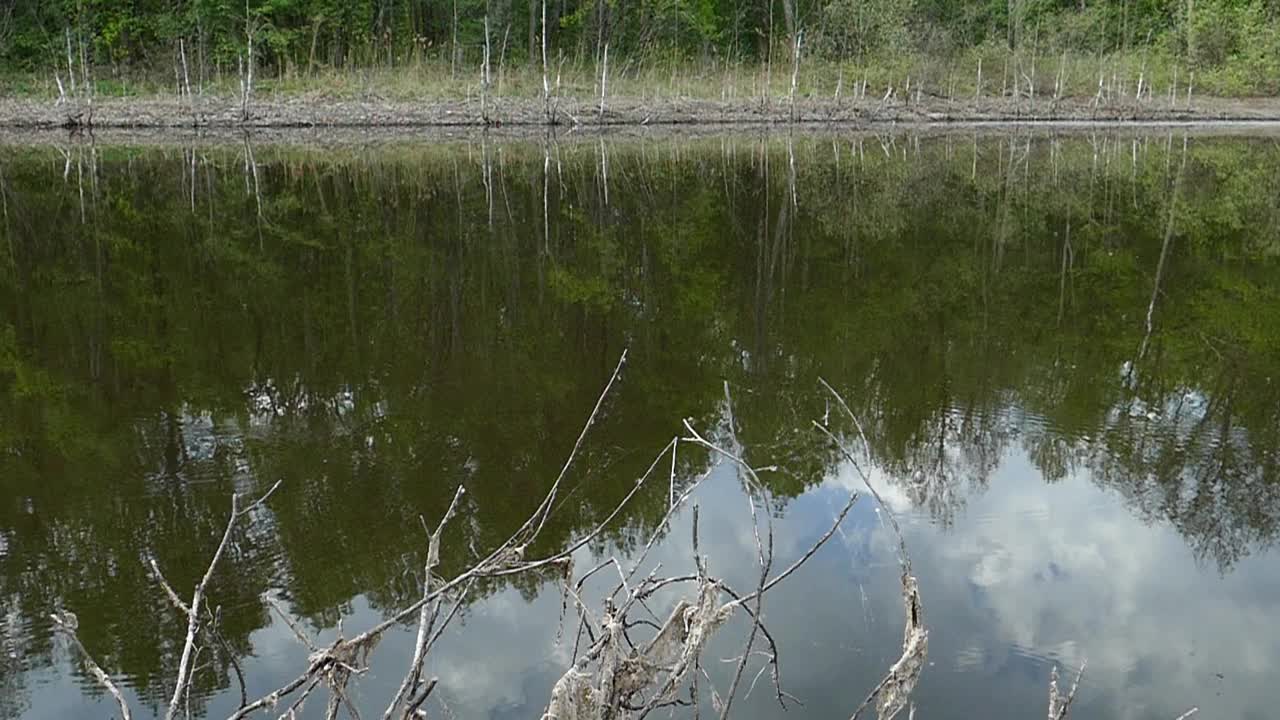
627	660
66	623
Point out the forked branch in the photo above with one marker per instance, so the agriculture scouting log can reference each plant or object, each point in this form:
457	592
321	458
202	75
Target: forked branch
192	609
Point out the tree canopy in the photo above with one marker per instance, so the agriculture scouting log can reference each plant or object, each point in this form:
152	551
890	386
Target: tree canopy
292	34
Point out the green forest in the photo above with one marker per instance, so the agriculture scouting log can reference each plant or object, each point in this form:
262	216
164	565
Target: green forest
1233	46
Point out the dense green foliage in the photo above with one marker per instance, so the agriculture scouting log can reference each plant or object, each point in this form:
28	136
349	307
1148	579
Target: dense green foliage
1238	37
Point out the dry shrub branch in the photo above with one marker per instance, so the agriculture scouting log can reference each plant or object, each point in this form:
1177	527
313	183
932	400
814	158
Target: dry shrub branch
627	660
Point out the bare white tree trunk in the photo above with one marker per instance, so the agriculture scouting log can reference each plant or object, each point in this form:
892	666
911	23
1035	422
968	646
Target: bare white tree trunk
81	88
484	75
251	62
502	57
200	55
795	74
453	46
604	80
246	82
86	84
186	76
71	66
186	81
546	84
1057	81
244	94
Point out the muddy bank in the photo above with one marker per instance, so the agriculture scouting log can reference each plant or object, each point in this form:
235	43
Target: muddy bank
320	112
341	138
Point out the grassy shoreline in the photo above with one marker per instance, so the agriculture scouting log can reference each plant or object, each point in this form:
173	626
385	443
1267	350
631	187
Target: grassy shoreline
976	72
981	85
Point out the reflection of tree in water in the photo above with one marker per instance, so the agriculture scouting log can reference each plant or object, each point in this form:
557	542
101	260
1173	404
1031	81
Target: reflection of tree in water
955	458
82	547
1194	462
399	328
15	655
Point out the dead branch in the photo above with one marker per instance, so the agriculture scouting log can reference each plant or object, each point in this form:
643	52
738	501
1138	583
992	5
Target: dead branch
616	676
892	693
619	674
610	681
903	557
1060	705
317	664
296	707
506	559
192	610
214	618
421	698
66	623
545	508
763	555
433	559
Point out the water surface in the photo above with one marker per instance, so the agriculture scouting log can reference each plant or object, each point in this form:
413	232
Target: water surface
1064	350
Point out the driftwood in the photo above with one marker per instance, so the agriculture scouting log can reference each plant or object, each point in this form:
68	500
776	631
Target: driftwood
612	675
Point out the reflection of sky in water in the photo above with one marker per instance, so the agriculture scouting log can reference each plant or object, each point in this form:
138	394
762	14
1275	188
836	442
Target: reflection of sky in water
1030	573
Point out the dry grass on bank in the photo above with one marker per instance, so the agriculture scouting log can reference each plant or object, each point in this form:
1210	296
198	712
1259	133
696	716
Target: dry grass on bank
982	72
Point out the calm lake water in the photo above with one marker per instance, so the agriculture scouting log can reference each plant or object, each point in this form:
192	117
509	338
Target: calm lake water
1065	351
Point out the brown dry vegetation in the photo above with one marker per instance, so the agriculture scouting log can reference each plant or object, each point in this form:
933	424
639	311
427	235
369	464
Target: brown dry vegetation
224	112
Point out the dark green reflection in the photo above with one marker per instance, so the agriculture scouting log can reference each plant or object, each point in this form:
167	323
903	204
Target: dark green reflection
376	325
